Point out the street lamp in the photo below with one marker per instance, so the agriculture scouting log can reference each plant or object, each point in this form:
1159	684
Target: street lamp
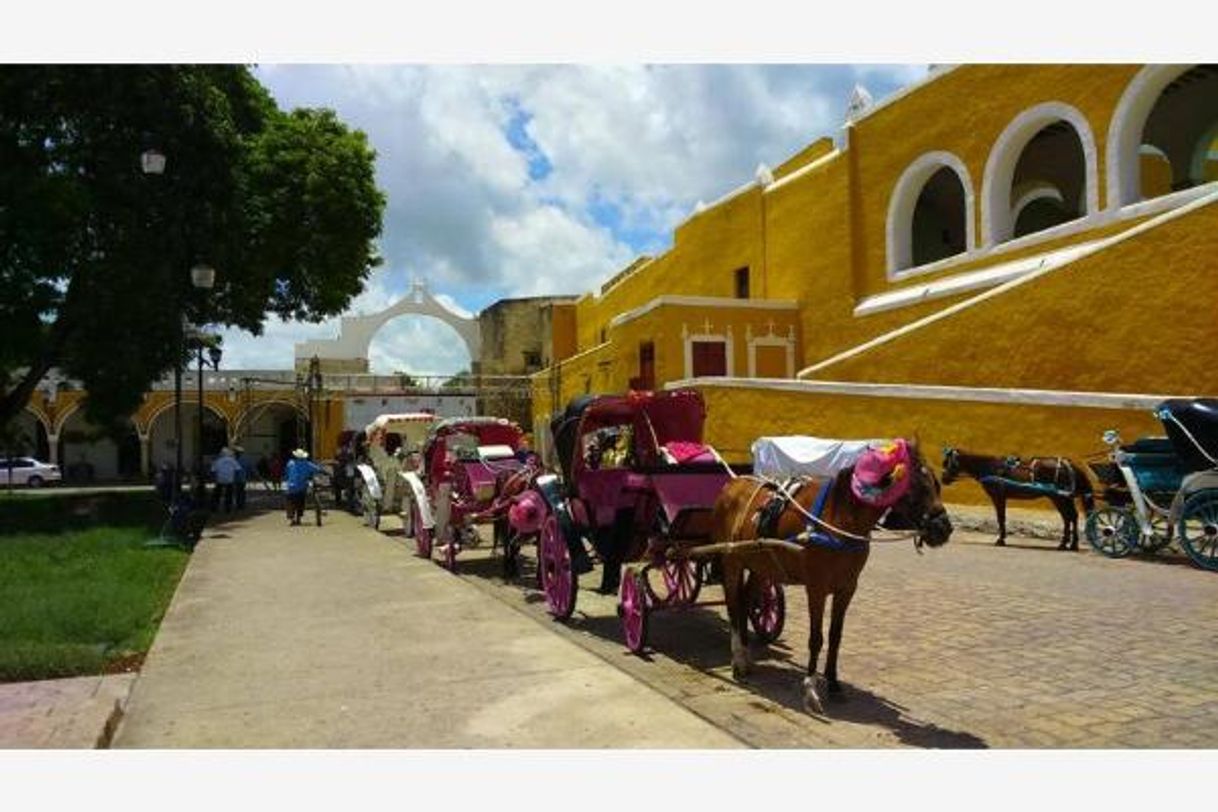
203	277
152	162
313	384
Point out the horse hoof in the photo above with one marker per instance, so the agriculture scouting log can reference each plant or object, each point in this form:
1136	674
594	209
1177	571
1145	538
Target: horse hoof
812	700
740	671
1000	543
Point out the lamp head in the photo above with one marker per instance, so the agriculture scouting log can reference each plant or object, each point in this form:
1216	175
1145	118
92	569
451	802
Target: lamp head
152	162
203	276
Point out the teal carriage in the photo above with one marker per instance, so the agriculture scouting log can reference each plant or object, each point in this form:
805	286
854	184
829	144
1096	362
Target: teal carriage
1160	490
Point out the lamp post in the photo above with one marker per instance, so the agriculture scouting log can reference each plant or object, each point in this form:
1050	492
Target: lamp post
152	162
203	277
313	383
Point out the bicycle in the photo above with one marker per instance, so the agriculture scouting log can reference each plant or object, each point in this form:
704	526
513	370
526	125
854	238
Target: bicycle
314	500
183	527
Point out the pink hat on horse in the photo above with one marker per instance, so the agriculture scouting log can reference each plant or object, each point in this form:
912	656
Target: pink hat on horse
881	476
526	513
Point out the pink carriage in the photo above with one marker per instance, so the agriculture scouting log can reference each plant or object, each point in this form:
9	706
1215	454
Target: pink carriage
470	468
639	486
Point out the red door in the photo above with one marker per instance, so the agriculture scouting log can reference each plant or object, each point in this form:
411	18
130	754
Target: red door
709	358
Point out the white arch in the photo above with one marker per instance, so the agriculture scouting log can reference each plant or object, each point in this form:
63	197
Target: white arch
997	222
260	408
167	405
356	332
1201	155
1125	131
1032	191
904	198
79	406
46	426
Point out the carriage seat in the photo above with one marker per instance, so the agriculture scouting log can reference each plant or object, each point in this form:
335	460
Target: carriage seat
495	452
681	452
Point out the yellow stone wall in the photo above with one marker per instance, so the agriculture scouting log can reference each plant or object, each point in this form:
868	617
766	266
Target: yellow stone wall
964	111
1083	327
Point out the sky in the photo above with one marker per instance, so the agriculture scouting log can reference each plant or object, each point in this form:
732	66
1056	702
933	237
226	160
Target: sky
530	180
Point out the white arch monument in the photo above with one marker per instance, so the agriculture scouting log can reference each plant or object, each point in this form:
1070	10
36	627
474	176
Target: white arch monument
355	332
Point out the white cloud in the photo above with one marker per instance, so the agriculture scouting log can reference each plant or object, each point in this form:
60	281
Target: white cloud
629	148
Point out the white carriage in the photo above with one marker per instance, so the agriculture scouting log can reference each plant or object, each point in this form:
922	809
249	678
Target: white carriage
394	445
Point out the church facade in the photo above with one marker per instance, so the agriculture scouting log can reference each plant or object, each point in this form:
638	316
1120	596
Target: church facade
1006	258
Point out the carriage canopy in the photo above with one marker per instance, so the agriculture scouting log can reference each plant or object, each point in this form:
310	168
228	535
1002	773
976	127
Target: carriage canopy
465	435
391	431
1192	426
640	424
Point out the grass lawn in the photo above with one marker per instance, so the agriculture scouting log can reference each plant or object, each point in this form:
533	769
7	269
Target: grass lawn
81	602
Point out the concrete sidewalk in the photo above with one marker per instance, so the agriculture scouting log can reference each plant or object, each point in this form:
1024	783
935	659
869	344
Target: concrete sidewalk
340	637
61	714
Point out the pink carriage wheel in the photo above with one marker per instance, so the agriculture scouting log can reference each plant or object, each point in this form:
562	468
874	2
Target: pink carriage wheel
682	581
767	606
632	606
558	578
422	535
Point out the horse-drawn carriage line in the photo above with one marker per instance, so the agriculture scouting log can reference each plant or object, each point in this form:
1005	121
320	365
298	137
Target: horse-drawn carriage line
638	491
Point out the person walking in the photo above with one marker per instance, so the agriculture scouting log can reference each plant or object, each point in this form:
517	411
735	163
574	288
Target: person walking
224	471
275	468
299	473
244	473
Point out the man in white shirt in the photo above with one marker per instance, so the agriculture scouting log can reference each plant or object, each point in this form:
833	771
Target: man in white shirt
224	470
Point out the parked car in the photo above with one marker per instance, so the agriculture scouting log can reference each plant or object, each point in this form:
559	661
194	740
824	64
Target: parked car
28	471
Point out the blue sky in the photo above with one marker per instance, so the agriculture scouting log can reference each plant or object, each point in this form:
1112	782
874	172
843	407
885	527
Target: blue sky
524	180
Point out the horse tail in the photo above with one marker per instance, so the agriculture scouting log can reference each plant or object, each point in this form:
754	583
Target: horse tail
1083	488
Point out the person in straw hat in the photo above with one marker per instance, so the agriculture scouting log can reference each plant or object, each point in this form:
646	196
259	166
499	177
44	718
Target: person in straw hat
298	475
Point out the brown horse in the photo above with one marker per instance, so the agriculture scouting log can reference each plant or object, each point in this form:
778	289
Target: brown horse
830	568
1057	479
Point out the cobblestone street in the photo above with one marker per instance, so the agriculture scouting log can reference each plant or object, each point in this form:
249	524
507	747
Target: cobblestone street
965	646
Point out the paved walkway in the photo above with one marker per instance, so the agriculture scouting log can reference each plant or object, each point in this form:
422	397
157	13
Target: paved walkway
340	637
75	713
966	646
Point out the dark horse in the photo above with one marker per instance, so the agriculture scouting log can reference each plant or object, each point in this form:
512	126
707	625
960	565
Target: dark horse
1057	479
825	569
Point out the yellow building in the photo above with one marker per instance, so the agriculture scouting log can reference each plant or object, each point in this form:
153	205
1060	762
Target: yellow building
1005	258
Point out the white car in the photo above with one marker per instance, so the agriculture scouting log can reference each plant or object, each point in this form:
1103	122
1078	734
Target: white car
28	471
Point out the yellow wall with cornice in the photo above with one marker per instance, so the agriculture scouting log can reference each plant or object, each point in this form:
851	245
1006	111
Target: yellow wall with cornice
1135	317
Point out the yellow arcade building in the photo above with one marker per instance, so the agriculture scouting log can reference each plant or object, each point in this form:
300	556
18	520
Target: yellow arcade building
1004	258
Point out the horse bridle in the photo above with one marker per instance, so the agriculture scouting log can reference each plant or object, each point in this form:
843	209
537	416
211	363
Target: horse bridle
951	462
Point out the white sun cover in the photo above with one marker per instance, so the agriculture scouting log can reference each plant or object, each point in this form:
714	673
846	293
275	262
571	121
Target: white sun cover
781	457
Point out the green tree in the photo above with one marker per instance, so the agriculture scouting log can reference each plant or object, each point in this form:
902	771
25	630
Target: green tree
95	255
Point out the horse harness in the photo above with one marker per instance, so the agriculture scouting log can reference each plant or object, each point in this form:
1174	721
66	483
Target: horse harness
1005	476
782	495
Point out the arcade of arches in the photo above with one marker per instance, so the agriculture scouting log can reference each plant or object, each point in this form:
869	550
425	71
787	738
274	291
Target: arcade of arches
263	423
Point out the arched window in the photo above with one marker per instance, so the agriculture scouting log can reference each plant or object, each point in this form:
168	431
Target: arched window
930	213
1047	150
1168	113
